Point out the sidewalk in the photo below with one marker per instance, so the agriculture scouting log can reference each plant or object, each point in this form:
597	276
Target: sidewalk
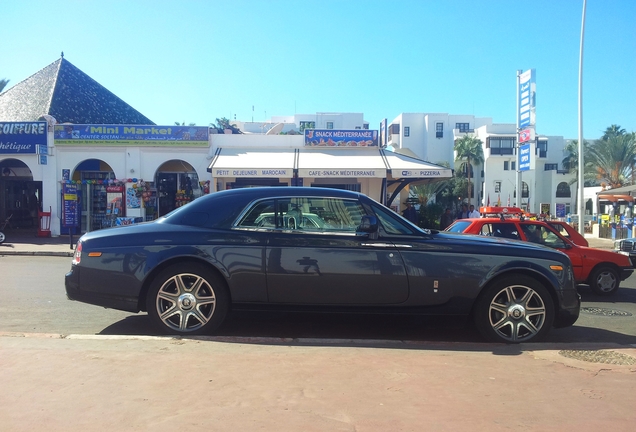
101	383
26	242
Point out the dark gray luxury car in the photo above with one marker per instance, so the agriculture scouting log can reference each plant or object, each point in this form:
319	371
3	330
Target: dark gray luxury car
305	247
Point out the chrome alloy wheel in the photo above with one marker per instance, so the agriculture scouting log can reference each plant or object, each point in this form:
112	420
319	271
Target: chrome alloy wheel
517	313
185	302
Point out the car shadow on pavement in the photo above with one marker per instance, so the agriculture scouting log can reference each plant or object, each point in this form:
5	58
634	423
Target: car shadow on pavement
390	331
623	295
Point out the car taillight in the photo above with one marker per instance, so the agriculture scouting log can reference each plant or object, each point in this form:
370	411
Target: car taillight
77	256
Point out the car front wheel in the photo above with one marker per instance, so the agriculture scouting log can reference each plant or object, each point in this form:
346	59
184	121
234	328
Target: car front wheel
604	281
515	309
187	299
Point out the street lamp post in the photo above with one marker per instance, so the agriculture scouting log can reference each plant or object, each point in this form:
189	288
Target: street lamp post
581	203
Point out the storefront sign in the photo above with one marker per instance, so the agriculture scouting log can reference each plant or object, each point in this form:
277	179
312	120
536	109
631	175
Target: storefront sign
341	138
70	216
254	172
138	135
341	173
421	173
22	138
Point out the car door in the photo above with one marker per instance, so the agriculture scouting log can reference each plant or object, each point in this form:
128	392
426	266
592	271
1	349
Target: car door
434	269
545	235
325	262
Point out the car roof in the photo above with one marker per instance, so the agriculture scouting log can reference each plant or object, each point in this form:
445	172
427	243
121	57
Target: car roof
273	191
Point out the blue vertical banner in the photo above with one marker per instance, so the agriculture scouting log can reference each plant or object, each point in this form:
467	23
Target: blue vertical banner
526	94
70	212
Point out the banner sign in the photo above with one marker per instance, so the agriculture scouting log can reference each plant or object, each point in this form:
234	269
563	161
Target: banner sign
137	135
424	173
526	135
341	138
70	214
309	172
526	159
21	137
560	210
252	172
527	99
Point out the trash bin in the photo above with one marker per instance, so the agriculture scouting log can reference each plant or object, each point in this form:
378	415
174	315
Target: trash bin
44	227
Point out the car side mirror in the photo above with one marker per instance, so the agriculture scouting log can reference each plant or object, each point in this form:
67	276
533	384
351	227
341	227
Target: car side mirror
368	225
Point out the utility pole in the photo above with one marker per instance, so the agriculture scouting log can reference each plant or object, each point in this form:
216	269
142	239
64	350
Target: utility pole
581	203
518	182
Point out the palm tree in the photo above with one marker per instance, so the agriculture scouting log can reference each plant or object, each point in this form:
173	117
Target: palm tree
469	148
3	84
612	131
429	190
613	159
571	162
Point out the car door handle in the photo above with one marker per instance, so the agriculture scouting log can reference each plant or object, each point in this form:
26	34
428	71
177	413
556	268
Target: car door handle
387	245
382	245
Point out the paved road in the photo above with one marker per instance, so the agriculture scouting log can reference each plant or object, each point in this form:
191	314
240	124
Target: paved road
34	301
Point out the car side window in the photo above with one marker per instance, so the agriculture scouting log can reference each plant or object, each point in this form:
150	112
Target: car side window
305	214
505	230
391	224
486	230
543	235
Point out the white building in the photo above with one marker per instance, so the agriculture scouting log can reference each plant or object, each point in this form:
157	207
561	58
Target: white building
431	137
300	122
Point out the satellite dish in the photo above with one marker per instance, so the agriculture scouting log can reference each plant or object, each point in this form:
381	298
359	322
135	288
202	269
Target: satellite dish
276	129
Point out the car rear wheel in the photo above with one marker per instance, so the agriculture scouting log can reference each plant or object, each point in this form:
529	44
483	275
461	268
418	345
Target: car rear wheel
2	237
604	281
514	309
187	299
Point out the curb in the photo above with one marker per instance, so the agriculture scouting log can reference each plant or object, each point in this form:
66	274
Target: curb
38	253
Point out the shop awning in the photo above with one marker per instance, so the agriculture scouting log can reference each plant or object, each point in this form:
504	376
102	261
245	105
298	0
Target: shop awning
403	166
237	162
340	162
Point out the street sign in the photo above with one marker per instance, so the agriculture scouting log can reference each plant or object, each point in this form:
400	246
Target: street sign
526	135
526	99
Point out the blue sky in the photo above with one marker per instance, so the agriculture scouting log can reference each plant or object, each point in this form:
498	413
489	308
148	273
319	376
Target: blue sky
195	61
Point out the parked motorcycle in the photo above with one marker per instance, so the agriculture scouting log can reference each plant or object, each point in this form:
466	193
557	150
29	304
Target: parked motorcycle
3	226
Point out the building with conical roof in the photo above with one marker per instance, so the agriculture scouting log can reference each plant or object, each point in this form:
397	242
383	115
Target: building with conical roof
64	92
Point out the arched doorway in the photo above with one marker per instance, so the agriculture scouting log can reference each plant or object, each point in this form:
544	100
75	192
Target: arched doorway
99	196
177	184
20	196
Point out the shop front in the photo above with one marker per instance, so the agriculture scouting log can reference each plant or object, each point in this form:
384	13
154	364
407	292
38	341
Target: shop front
349	160
128	174
23	151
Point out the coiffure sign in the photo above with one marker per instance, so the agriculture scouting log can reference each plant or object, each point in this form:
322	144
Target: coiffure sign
22	137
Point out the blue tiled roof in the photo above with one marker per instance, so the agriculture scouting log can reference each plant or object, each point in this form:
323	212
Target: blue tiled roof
68	94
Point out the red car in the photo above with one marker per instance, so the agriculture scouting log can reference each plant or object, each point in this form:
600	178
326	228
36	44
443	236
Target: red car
602	270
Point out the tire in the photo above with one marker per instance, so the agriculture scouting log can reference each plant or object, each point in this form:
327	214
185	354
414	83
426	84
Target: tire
187	299
2	237
514	309
604	281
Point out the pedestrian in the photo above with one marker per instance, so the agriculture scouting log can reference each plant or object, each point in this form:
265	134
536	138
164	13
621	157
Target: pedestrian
446	220
410	213
463	213
472	213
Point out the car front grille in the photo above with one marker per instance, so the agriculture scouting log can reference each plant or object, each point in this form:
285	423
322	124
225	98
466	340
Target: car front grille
626	246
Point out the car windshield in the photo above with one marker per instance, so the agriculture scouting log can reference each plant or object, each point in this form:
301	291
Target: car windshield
459	226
